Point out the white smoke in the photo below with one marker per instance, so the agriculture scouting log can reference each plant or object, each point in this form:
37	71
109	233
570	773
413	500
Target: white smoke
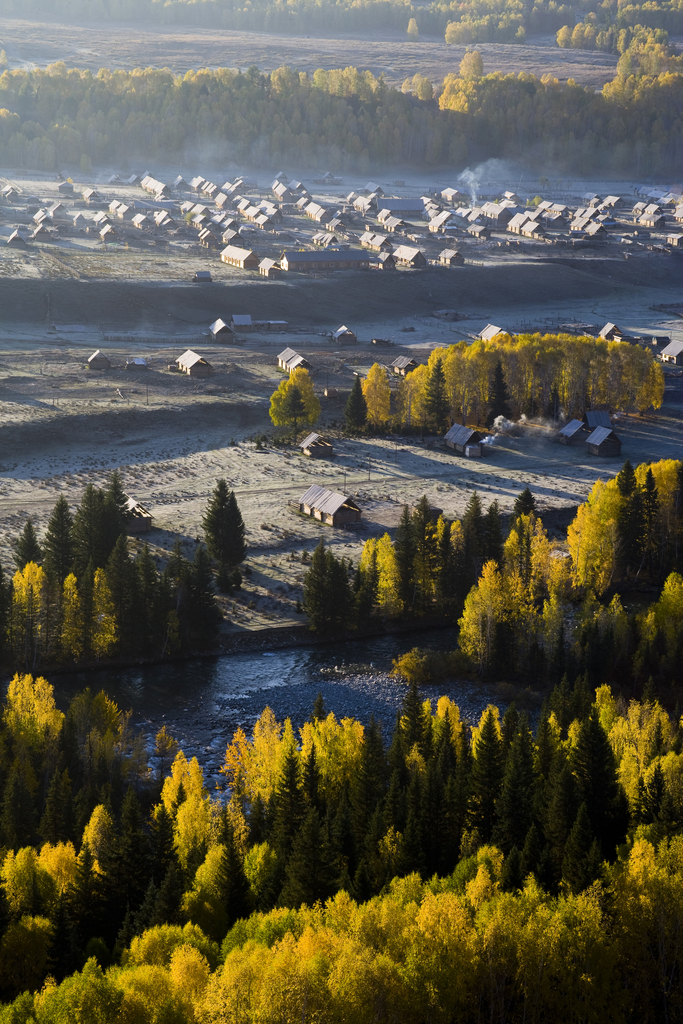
496	172
503	425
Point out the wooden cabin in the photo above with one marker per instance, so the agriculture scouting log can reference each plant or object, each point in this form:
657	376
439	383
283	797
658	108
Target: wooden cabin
571	432
317	447
673	353
193	364
290	360
597	418
464	440
344	336
603	441
403	365
329	507
138	518
98	361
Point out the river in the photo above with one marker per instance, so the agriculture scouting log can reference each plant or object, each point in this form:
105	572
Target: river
203	701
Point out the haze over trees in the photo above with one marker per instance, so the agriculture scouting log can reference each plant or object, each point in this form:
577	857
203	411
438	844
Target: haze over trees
349	119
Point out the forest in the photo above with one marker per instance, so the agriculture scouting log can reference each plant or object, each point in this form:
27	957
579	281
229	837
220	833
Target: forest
78	596
350	872
56	118
461	22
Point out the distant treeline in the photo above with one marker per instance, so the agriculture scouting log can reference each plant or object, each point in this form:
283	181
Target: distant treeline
345	119
463	22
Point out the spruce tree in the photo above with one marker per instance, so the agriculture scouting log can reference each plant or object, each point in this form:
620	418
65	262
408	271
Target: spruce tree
127	865
514	807
356	411
202	614
412	723
114	512
58	544
121	580
474	540
232	884
327	594
499	396
630	524
524	505
28	549
319	712
309	876
18	813
289	807
150	612
293	408
595	769
368	781
562	804
404	550
493	534
310	779
652	532
56	824
162	840
85	896
425	561
90	543
436	395
224	527
486	777
581	864
169	898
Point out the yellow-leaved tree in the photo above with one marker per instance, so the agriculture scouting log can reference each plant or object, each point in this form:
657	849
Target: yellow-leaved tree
104	634
72	619
294	403
27	612
377	394
485	607
31	714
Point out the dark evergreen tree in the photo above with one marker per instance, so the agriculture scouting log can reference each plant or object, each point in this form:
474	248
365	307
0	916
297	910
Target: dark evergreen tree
653	535
150	604
310	780
319	711
84	897
327	594
115	513
594	766
310	874
404	550
630	524
532	853
121	580
56	824
202	614
127	866
412	718
486	777
368	783
515	805
356	411
293	407
28	548
436	395
163	849
232	883
499	396
89	539
563	802
225	531
524	505
169	898
58	545
144	915
511	877
18	814
581	864
289	807
493	534
474	541
425	560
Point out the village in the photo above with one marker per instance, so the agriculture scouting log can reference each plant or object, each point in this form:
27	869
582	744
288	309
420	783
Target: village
290	227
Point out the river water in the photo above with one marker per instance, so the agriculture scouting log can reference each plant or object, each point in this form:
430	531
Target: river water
203	701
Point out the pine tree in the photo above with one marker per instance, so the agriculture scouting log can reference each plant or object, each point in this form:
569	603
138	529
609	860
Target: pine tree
319	712
562	803
581	864
310	780
425	562
514	807
493	535
293	408
169	898
88	534
28	548
56	824
595	769
150	617
327	595
289	807
474	540
231	883
368	782
630	520
144	915
310	874
127	865
499	396
202	614
18	814
525	505
58	544
163	849
121	580
356	411
405	550
436	395
652	533
412	718
486	777
224	527
114	512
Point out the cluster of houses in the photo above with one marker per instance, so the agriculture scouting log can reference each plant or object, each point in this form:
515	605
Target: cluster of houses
191	363
594	431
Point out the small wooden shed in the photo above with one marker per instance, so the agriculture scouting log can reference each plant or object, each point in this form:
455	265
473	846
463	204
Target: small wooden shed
603	441
597	418
344	336
289	359
220	331
451	258
571	432
464	440
317	447
193	364
136	363
403	365
98	361
138	518
269	268
329	506
673	353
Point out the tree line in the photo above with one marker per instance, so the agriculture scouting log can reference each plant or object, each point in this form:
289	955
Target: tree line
442	871
79	595
54	117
